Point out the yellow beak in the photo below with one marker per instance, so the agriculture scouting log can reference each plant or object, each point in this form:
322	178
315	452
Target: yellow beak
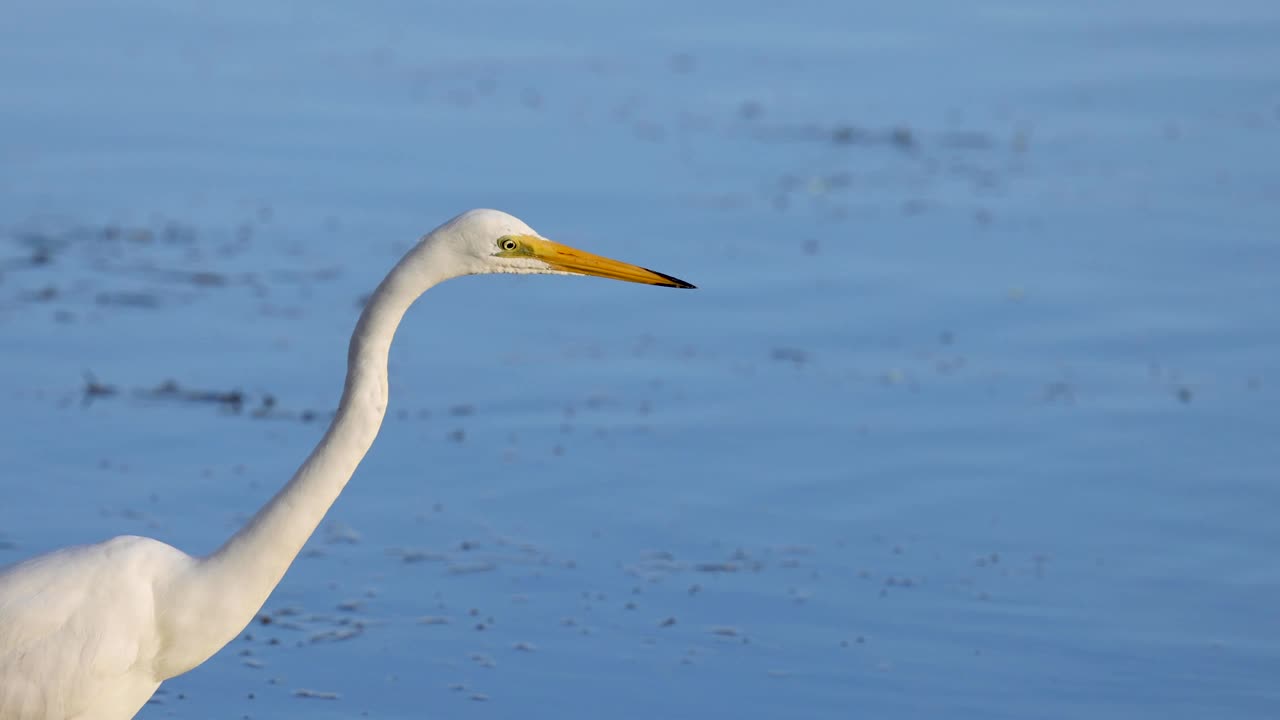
567	259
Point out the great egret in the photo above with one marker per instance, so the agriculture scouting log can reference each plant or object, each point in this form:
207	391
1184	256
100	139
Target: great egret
90	632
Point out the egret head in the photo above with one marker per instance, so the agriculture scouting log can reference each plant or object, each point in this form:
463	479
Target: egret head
491	241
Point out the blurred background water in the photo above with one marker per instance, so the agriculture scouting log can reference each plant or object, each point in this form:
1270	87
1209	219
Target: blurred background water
972	416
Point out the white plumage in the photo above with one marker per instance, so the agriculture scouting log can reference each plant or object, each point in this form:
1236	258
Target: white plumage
89	633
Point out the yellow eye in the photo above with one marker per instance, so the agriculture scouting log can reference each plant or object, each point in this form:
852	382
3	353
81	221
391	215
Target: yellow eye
508	244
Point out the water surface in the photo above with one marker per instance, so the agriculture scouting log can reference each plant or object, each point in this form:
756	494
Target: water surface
972	416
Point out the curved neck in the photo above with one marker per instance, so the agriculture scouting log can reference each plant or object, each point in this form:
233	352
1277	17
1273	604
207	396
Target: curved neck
223	592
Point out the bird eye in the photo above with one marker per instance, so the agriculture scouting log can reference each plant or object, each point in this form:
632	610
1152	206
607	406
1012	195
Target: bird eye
508	244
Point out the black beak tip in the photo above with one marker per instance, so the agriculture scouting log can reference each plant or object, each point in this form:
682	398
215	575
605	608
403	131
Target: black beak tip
674	282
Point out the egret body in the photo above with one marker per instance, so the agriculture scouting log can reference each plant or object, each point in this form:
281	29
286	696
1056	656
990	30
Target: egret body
90	632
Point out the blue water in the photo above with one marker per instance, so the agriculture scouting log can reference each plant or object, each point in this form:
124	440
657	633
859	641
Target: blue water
973	414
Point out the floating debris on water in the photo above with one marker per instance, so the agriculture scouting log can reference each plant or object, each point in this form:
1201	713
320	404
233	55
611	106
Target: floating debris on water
468	568
316	694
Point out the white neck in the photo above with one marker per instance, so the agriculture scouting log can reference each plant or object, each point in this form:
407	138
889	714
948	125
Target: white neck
223	592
